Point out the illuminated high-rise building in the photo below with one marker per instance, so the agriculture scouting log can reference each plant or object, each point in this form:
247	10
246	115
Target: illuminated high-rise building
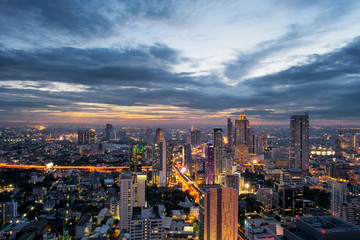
299	141
229	132
242	128
355	141
169	162
262	142
188	161
8	211
218	151
139	189
159	136
92	136
209	175
86	137
136	156
126	201
159	175
218	208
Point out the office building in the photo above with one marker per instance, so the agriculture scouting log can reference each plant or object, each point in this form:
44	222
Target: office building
209	174
299	142
146	223
8	211
289	200
218	151
218	213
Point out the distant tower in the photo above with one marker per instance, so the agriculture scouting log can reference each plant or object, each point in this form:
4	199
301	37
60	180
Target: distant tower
218	208
229	132
92	135
262	142
86	137
242	138
209	176
218	151
149	137
159	164
299	141
242	130
159	136
81	137
108	131
195	137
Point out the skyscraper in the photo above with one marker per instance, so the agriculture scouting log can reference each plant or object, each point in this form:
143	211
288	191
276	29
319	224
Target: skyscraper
126	201
159	136
92	136
195	136
136	155
242	130
149	137
218	151
108	131
159	164
338	195
139	189
218	213
229	132
8	211
209	176
299	141
262	142
81	137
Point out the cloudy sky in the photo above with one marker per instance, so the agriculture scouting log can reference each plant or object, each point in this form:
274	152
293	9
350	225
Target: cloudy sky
179	62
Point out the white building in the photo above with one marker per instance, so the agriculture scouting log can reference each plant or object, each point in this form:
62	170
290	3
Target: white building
338	195
126	202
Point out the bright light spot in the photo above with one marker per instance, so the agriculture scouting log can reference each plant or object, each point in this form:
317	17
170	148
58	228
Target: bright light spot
247	185
183	169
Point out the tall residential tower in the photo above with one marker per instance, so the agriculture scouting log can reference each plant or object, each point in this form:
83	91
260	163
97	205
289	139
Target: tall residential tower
299	141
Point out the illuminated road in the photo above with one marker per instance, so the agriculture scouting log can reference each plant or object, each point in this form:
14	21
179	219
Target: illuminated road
81	168
187	183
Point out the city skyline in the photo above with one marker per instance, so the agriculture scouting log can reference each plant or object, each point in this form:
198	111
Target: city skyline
179	63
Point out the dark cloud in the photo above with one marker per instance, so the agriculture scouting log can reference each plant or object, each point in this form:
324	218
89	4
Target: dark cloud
327	85
37	23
